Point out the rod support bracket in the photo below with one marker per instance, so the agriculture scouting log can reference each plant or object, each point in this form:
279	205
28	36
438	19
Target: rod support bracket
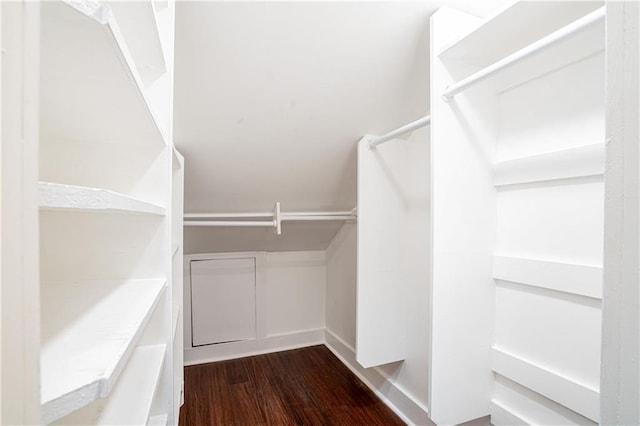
277	218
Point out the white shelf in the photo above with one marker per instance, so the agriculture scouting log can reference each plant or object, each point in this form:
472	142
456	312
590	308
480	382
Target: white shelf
583	280
137	21
159	420
175	249
525	22
588	160
89	329
131	399
55	196
575	41
86	62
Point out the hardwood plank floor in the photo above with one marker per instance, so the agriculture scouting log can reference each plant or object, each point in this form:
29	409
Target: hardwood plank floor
308	386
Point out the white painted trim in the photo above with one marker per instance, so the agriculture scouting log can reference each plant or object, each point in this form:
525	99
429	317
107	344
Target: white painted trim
582	280
502	415
619	379
20	270
563	390
261	295
397	399
566	164
233	350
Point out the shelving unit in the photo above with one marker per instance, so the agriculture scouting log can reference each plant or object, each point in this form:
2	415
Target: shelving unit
105	98
525	22
525	119
108	354
130	402
139	25
85	347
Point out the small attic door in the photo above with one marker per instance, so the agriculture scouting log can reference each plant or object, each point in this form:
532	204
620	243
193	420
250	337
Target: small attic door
223	300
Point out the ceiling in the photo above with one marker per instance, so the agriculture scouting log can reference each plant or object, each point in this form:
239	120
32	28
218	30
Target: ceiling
271	98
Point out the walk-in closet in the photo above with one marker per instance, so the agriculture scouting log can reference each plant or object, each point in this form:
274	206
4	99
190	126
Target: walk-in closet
321	212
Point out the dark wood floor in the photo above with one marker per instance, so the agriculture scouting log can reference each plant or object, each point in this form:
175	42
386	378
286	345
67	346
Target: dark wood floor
308	386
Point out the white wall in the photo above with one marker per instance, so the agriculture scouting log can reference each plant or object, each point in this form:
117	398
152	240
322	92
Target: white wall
341	285
295	291
290	301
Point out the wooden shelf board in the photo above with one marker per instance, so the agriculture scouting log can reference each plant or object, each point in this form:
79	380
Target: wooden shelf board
86	62
137	21
131	399
89	329
55	196
525	22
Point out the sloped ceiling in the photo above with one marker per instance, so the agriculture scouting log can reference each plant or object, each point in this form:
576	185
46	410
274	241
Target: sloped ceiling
271	98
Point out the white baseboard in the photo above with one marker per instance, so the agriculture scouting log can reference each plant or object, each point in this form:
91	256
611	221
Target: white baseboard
232	350
408	409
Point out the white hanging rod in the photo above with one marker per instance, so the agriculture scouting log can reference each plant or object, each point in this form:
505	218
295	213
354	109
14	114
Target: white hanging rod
261	214
276	215
294	218
522	54
424	121
236	223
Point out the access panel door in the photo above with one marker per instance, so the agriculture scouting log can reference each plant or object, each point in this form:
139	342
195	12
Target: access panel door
223	300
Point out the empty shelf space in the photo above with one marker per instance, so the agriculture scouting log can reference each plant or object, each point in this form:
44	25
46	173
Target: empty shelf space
571	278
90	87
574	42
588	160
55	196
525	22
137	21
159	420
131	399
89	329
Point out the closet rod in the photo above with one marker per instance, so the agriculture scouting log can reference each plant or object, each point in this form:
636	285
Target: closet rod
266	223
261	215
424	121
293	218
232	223
570	30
